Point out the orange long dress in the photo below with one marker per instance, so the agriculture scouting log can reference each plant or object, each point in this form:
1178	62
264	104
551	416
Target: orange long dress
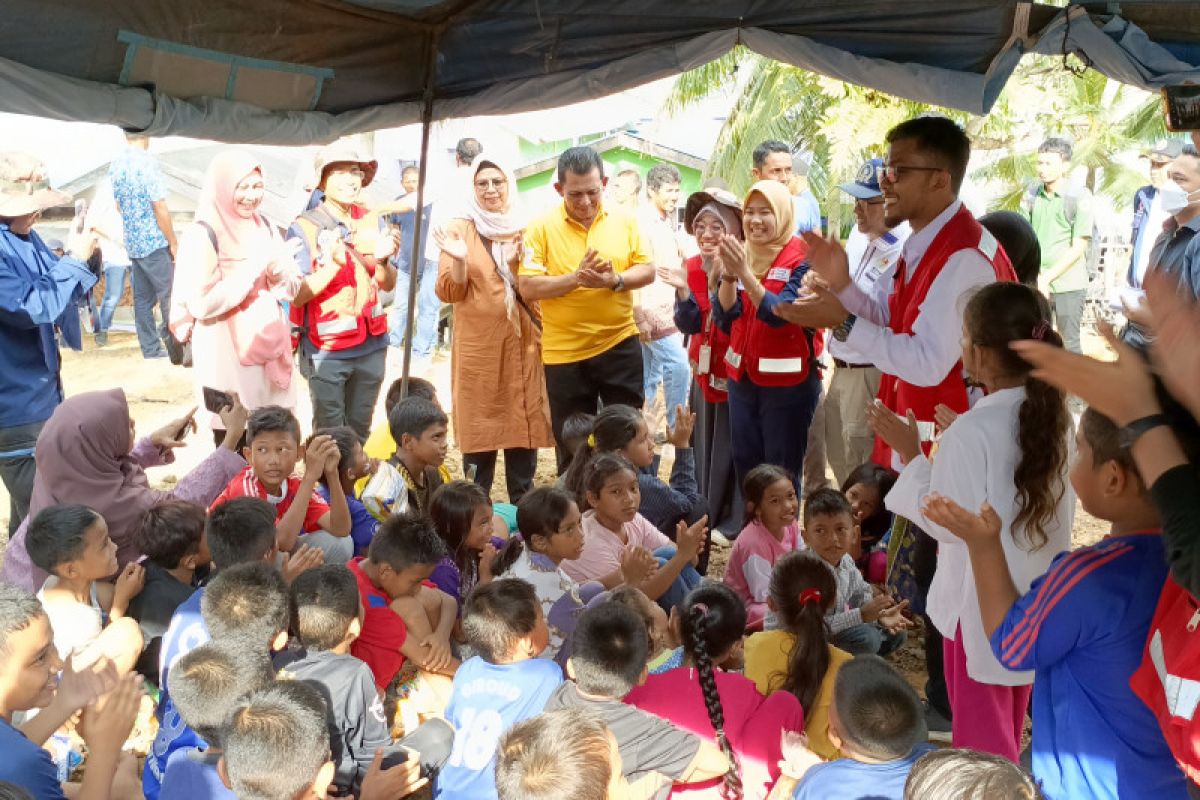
497	380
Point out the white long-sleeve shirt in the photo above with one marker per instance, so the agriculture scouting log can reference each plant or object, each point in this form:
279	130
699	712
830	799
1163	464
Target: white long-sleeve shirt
975	461
924	357
873	277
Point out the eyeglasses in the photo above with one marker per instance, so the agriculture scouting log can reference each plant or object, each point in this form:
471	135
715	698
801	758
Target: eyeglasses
874	201
893	172
490	183
357	172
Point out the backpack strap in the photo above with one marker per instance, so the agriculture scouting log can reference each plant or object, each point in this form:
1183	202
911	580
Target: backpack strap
212	235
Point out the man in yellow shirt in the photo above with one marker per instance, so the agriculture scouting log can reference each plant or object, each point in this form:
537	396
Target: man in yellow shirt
581	262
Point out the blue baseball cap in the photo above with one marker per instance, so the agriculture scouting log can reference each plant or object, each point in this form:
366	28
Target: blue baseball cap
866	182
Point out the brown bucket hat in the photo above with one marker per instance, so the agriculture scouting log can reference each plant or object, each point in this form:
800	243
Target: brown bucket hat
24	187
720	197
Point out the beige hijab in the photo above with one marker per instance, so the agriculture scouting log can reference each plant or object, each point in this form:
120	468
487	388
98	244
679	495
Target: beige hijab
761	256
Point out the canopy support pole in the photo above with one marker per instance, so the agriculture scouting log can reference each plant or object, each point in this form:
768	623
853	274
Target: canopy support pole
417	255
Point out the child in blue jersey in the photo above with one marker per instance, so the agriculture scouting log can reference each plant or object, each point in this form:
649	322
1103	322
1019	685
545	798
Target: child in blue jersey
1082	627
504	684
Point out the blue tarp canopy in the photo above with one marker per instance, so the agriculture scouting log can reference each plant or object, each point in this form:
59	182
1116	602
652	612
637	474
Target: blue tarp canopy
305	71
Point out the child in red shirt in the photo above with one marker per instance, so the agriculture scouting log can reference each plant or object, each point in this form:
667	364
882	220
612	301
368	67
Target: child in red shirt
272	451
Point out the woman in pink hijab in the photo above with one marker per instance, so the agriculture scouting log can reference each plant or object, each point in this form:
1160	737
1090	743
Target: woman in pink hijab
232	275
88	453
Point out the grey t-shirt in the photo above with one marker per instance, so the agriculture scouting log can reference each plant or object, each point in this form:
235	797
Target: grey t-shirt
647	743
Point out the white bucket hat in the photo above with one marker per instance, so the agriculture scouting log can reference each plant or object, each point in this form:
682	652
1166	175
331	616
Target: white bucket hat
24	188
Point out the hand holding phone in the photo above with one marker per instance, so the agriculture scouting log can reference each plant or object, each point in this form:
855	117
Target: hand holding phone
215	400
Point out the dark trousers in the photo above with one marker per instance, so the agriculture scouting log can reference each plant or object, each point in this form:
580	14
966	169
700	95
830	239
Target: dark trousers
344	390
924	564
17	469
152	277
769	424
520	464
613	377
1068	316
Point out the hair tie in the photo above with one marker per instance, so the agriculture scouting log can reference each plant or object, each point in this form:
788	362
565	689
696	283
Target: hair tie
810	596
591	440
1041	329
701	607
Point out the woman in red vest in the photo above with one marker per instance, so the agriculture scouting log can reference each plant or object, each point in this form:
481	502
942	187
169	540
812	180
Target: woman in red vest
773	385
709	216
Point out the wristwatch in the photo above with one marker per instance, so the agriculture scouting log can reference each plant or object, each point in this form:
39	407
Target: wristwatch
1134	430
842	332
619	286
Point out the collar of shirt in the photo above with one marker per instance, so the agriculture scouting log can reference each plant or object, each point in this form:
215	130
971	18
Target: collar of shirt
567	218
1192	224
916	244
1002	397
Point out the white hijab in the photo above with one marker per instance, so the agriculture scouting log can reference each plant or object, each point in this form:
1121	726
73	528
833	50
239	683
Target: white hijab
499	227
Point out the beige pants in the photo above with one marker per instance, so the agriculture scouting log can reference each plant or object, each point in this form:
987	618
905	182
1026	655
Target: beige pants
848	437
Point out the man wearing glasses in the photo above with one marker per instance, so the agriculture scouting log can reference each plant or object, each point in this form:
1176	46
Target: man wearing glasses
855	381
343	326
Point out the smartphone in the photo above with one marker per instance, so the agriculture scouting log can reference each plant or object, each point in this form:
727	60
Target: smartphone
187	424
215	400
1181	107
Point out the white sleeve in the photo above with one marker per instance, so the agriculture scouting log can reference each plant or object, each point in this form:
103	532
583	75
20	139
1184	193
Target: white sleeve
866	307
958	471
924	357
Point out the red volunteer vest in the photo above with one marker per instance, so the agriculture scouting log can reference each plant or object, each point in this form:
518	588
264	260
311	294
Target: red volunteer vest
766	355
348	310
962	232
712	380
1168	681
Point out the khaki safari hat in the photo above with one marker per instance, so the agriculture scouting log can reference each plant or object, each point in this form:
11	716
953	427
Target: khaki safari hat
24	188
342	153
698	200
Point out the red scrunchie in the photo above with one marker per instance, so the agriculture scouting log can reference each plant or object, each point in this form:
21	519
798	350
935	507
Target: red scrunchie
810	596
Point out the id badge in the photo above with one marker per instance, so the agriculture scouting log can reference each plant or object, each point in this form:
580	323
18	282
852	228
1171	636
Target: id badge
704	361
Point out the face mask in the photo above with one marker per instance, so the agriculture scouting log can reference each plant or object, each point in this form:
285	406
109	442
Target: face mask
1173	197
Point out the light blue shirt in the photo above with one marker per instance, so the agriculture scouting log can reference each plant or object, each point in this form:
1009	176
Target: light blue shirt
137	184
808	213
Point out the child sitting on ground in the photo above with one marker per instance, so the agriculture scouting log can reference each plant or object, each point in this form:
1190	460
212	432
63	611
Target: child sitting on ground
272	451
72	544
723	707
503	684
865	488
419	427
797	657
326	618
171	535
968	775
1082	627
559	755
617	538
862	620
608	660
403	619
206	686
462	516
622	430
770	532
551	532
29	666
380	445
878	724
353	466
665	651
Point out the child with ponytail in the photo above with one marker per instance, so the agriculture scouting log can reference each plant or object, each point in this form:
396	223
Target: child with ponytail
722	707
798	658
462	515
1009	450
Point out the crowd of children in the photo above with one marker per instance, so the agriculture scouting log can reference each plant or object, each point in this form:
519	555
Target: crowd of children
301	643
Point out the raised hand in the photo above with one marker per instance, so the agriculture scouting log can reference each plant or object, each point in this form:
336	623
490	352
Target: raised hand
944	416
1176	347
685	423
691	539
318	453
974	529
827	258
733	257
516	252
305	558
108	720
451	243
899	433
87	675
129	584
234	417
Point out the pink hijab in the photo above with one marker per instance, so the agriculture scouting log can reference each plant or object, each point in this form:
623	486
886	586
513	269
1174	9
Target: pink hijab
260	332
83	456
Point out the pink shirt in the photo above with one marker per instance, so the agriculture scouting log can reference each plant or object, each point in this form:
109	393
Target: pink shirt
753	723
602	548
754	555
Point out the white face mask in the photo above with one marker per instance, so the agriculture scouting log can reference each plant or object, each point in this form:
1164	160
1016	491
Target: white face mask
1173	197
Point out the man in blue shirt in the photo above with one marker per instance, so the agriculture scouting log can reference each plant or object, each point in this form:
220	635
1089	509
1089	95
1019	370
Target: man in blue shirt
39	292
141	197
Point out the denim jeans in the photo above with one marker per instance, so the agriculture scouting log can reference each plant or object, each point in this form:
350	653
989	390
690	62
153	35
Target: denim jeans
152	279
114	287
425	327
665	360
688	579
869	639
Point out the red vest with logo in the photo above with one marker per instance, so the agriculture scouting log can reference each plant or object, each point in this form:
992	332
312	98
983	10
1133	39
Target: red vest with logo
961	232
1168	681
767	355
348	310
711	381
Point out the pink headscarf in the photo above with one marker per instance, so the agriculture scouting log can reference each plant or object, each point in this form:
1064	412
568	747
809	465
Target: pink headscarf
83	457
261	334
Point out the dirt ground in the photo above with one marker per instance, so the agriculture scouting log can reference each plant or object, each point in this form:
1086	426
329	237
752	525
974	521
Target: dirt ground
159	392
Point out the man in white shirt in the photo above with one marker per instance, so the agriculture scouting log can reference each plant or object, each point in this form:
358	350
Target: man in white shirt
855	381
